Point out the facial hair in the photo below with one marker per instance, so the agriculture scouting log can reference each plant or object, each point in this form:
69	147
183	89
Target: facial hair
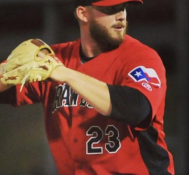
103	38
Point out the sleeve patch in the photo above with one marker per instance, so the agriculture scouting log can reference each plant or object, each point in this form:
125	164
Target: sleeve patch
142	73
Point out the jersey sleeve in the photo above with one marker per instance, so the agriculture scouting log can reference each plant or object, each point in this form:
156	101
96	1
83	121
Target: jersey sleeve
146	73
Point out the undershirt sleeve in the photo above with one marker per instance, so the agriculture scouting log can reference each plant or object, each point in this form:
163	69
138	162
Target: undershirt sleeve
129	105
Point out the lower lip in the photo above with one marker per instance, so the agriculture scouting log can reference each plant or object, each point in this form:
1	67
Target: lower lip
119	29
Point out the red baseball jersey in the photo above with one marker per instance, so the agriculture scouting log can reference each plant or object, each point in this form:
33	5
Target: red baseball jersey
84	142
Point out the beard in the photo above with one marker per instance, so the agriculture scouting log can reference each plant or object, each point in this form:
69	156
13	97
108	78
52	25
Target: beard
103	38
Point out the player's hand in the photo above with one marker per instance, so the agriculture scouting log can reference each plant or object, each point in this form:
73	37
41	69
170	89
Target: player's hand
27	63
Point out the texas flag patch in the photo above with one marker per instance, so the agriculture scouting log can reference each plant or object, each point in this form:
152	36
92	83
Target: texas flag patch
142	73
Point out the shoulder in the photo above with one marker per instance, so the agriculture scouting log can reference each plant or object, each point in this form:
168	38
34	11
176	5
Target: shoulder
63	46
135	54
64	51
133	48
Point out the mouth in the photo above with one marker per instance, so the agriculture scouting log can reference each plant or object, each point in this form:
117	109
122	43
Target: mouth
119	27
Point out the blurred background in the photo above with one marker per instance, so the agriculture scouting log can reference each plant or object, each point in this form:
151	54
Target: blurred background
162	25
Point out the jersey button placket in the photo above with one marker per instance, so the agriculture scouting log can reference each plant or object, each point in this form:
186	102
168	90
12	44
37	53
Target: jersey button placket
75	140
80	166
79	169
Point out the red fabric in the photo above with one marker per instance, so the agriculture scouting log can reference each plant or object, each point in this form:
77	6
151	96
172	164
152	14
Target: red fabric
72	126
112	2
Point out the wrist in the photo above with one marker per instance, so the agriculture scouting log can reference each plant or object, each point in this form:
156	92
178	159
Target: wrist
59	74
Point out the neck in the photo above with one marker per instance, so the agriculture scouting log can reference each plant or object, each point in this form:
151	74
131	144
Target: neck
89	47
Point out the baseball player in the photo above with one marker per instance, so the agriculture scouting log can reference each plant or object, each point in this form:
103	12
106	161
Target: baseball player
103	95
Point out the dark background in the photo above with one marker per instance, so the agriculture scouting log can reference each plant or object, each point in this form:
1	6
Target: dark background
161	24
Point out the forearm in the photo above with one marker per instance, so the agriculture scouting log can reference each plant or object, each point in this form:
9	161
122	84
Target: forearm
95	92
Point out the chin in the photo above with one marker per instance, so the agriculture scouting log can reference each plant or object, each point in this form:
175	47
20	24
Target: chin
118	34
118	39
